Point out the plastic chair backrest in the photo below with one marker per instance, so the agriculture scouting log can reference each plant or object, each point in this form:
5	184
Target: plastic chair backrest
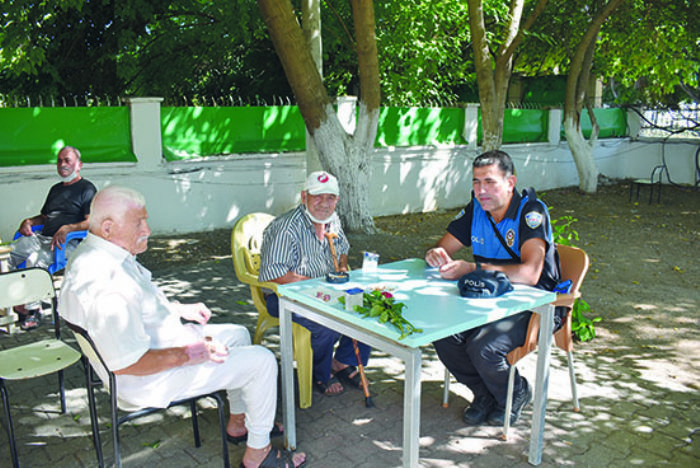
246	240
574	265
25	286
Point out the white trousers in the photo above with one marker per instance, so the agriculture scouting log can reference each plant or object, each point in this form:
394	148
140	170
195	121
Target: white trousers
249	376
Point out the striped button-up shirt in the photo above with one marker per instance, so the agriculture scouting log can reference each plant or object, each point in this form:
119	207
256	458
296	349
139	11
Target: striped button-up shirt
290	244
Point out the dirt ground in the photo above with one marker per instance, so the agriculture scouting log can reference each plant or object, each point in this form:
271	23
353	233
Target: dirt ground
643	280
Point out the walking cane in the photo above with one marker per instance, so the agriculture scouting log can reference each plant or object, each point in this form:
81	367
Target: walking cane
361	368
336	276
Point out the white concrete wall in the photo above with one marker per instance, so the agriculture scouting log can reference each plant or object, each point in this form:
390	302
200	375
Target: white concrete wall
204	195
188	196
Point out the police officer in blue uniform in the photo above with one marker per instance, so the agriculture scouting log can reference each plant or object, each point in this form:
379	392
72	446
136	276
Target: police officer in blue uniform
509	232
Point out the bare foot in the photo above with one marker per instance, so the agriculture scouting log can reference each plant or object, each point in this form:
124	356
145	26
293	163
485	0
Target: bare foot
347	374
253	458
236	426
332	387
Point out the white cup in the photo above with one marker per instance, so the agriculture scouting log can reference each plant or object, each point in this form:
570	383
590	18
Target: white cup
370	261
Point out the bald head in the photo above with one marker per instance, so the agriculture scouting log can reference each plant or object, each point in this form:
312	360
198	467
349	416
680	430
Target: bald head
118	215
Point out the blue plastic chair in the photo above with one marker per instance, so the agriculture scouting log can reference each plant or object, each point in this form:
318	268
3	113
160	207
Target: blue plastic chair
59	255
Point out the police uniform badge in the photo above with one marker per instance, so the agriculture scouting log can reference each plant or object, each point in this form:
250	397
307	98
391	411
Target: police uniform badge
533	219
510	237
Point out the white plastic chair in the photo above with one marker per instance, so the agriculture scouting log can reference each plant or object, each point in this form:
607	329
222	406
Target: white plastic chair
35	359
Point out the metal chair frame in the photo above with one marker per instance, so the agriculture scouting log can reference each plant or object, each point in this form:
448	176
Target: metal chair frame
92	357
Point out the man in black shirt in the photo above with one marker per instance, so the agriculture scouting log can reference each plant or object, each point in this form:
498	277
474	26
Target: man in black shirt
66	209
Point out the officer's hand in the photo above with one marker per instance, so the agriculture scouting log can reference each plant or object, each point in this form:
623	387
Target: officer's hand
455	269
437	257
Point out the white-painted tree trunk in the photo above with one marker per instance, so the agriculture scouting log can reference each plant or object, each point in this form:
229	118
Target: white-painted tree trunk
347	157
582	152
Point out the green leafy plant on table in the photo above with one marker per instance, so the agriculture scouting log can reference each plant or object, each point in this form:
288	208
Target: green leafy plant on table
383	306
581	326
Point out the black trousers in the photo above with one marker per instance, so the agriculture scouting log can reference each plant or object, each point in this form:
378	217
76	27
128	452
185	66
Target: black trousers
477	357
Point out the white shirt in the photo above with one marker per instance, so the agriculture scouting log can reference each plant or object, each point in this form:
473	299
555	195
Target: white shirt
109	294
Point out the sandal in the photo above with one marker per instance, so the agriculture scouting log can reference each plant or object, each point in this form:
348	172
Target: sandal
344	376
275	432
29	321
277	458
322	387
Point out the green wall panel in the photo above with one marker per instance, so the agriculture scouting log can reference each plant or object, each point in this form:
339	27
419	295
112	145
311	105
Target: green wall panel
525	125
193	132
412	126
34	135
612	123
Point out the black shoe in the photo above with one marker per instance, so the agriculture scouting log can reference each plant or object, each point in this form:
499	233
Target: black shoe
520	400
479	410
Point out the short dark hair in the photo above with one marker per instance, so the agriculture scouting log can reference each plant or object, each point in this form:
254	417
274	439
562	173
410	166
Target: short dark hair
505	164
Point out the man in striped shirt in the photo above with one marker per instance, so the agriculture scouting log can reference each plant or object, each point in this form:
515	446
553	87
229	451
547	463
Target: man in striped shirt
295	247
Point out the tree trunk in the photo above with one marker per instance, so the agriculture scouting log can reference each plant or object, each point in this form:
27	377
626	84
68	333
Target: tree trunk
493	73
576	100
582	151
311	25
343	155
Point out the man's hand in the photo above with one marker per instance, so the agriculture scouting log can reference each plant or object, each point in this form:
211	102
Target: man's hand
195	312
437	257
60	237
25	228
455	269
205	351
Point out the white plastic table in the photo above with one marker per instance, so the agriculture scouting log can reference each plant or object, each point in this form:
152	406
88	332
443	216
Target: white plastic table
432	304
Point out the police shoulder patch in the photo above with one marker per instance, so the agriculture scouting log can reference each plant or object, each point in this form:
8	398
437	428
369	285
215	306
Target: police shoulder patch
533	219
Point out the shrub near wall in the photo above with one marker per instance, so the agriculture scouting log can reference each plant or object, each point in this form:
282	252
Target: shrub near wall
30	136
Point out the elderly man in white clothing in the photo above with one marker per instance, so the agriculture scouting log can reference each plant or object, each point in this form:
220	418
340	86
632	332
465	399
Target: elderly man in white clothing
140	334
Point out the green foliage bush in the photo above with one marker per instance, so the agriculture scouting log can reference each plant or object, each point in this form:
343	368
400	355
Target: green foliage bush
581	326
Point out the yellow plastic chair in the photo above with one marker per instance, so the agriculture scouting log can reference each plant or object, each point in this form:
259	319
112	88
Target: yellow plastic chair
246	239
38	358
574	265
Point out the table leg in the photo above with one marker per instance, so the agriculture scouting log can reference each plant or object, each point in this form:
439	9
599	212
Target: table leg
287	361
541	382
411	410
